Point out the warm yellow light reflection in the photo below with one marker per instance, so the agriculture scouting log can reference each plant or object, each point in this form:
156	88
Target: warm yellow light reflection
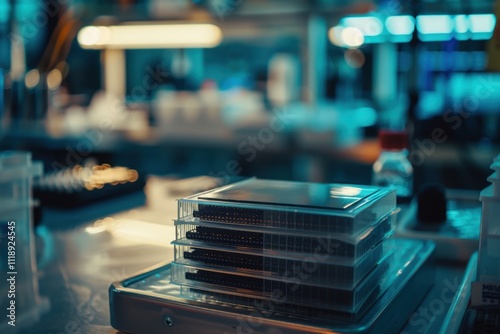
54	79
345	191
32	78
97	176
150	36
334	34
93	36
100	225
352	37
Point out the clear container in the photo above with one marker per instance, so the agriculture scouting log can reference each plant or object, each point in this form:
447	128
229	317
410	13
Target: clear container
330	247
311	271
293	292
392	167
17	254
291	206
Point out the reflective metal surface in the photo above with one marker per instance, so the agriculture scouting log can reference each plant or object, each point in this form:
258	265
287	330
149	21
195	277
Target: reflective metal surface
77	264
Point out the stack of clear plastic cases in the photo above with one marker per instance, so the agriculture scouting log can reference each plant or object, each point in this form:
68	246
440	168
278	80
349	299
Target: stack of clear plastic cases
315	245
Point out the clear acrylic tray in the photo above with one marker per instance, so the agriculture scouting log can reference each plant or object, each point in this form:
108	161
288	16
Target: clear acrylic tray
310	271
329	247
325	208
292	291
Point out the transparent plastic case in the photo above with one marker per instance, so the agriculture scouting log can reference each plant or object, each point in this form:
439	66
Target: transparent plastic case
236	245
18	260
252	253
325	208
281	244
310	271
293	292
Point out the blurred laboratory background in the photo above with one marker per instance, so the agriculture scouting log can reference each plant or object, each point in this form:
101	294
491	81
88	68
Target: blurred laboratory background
281	89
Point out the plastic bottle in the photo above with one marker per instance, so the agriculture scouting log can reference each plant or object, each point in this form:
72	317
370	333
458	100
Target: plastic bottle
392	167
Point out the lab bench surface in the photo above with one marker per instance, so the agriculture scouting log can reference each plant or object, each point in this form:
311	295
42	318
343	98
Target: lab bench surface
80	252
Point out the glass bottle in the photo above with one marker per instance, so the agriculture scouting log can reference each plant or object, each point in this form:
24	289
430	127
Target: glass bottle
392	167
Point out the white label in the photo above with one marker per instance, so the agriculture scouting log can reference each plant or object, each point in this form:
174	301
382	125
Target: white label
485	294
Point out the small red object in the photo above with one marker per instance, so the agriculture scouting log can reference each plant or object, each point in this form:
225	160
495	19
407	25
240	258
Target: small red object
393	140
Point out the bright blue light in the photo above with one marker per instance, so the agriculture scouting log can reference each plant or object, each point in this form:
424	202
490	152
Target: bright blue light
400	25
461	24
461	27
434	24
370	26
433	28
482	23
482	26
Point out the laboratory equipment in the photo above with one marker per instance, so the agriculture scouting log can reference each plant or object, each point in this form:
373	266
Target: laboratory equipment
308	256
21	298
392	167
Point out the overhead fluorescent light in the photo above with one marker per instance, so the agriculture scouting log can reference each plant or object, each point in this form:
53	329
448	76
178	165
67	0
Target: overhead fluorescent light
482	26
368	25
400	25
461	24
434	24
150	36
482	23
400	28
361	30
461	27
433	28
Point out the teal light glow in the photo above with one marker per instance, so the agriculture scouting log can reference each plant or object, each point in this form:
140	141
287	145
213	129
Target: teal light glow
400	28
434	24
461	24
431	28
370	26
482	23
400	25
461	27
482	26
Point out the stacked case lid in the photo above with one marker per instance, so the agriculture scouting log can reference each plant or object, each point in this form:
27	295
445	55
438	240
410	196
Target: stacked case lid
313	245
